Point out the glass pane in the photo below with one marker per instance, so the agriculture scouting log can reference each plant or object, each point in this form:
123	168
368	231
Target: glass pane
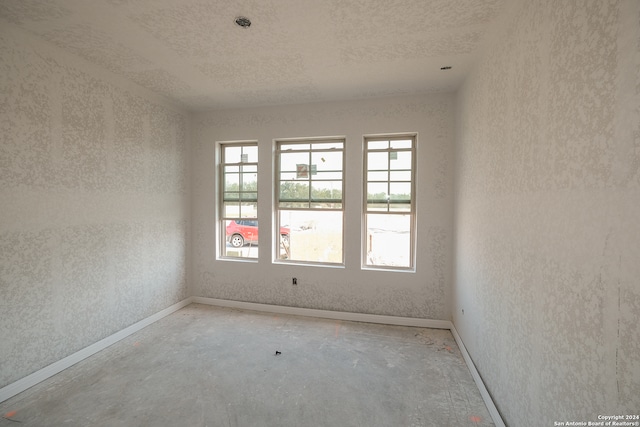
249	168
377	191
293	205
249	210
335	176
400	191
327	145
378	161
399	207
292	190
326	190
377	207
314	236
328	205
241	239
327	161
400	175
377	145
294	146
250	181
252	196
378	176
232	153
230	169
289	162
388	240
401	143
231	182
402	160
250	154
231	209
230	196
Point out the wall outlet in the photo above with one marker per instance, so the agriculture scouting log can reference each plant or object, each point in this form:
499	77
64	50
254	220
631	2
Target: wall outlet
294	281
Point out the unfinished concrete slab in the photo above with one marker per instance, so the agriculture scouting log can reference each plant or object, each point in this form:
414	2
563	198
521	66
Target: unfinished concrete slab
212	366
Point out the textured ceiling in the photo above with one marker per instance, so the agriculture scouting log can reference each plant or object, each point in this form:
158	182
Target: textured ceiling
295	51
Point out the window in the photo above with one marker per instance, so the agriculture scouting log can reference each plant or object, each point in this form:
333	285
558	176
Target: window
389	209
239	200
310	200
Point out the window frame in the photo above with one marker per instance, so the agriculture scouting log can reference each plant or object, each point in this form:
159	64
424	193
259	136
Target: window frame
276	192
222	217
413	137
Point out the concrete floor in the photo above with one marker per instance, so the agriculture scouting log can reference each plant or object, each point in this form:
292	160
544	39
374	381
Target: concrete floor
211	366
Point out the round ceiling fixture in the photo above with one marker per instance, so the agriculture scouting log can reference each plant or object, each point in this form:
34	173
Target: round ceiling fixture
243	22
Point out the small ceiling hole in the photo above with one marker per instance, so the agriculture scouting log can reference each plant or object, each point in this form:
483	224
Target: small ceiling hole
243	22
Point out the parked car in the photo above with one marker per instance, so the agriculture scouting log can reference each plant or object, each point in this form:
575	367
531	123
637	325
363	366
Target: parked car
240	232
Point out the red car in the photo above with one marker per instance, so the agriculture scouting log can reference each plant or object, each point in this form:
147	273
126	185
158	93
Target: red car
246	231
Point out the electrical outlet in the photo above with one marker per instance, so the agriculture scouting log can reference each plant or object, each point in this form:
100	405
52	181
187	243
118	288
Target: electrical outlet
294	281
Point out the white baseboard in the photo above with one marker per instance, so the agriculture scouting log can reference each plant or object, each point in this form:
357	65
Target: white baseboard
488	401
327	314
62	364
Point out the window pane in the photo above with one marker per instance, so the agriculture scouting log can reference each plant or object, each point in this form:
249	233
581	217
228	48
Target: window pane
400	176
250	181
295	146
378	176
376	145
389	209
400	191
327	176
231	182
249	196
249	210
401	143
238	226
315	236
327	145
400	160
377	191
388	240
293	205
289	162
250	154
327	161
232	154
230	195
231	209
294	191
399	207
377	207
378	161
326	190
241	238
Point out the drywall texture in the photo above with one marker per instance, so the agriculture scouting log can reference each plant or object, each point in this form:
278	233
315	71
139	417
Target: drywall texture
94	207
547	279
423	294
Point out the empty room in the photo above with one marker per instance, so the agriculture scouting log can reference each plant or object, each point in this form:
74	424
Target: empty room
320	213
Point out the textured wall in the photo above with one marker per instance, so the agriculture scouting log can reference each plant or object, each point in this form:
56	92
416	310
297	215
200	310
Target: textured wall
93	205
422	294
547	212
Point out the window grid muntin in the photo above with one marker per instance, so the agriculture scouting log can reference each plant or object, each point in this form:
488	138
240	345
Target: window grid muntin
371	210
311	146
224	217
243	195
